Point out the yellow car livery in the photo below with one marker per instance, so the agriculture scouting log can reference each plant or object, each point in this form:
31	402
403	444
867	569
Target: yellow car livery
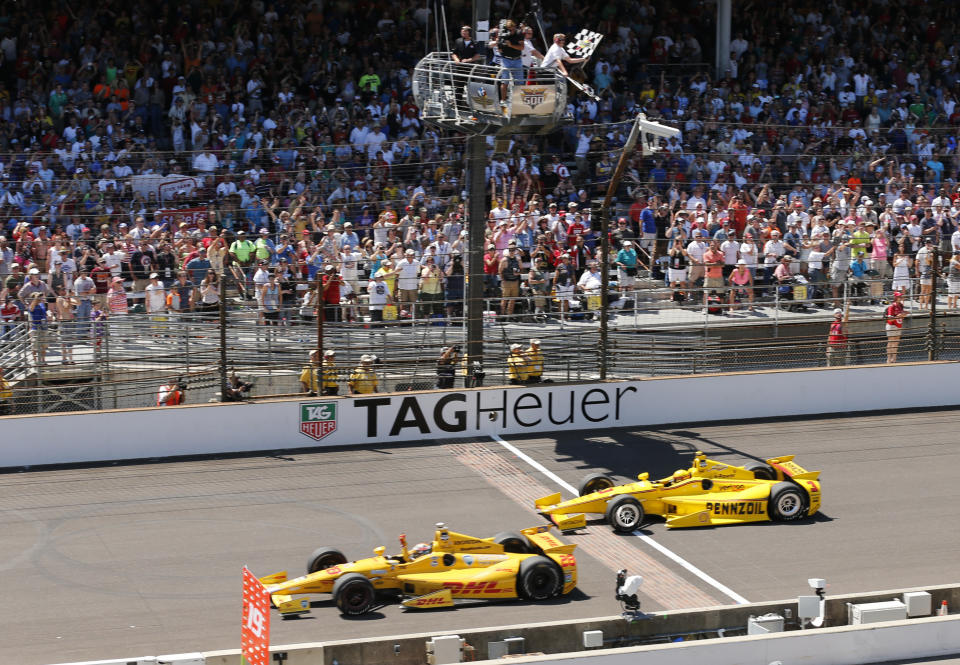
709	493
532	564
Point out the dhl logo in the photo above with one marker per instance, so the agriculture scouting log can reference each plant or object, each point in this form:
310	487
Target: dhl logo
426	602
568	560
475	588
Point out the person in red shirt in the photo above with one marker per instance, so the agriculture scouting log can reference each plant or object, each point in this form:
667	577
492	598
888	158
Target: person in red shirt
894	314
331	294
837	340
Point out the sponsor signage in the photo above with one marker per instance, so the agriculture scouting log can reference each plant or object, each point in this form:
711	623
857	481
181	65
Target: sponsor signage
255	630
533	99
318	420
468	413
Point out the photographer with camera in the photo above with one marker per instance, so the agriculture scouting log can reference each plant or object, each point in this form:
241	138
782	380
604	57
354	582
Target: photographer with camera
237	390
172	394
446	366
510	42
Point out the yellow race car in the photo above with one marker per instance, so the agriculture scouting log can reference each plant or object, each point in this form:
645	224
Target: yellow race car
533	564
708	493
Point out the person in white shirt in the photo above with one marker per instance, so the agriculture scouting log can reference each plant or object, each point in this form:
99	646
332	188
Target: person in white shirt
557	56
590	281
408	279
156	295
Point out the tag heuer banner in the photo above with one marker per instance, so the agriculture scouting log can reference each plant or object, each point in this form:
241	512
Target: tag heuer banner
533	100
318	420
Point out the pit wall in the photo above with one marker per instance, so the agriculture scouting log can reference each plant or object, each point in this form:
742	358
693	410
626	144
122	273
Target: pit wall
392	418
836	644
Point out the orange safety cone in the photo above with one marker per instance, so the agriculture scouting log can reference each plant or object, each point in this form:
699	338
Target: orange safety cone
943	611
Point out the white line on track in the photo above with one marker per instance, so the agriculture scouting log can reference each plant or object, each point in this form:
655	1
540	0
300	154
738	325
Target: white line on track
670	554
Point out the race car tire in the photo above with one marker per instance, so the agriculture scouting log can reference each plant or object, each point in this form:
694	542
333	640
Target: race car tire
323	558
787	502
594	483
513	543
354	594
761	471
539	579
625	514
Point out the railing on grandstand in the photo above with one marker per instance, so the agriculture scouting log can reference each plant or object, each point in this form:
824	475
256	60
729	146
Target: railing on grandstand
121	362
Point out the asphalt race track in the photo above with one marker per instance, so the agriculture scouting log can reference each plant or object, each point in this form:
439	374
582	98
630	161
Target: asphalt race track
145	559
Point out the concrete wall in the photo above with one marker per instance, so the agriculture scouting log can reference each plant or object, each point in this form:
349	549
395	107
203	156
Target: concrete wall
390	418
562	641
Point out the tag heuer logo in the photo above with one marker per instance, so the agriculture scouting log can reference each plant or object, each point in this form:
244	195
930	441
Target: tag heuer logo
318	420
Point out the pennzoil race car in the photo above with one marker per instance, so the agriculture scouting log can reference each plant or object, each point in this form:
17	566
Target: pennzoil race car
533	565
708	493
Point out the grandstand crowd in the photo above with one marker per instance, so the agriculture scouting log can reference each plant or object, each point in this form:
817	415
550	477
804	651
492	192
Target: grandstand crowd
145	150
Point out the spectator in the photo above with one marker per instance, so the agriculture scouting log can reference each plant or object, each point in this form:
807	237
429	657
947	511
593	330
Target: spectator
363	380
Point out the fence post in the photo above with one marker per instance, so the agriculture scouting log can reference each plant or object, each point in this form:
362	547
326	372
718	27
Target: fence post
223	335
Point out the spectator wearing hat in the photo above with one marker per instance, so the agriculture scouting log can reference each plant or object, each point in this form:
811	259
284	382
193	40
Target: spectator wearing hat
363	379
408	281
331	290
837	339
695	251
627	264
34	286
713	282
534	357
517	367
117	298
446	366
37	311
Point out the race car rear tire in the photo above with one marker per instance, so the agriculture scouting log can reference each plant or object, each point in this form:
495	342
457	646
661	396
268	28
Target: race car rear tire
514	543
761	471
625	514
354	594
539	579
594	483
323	558
787	502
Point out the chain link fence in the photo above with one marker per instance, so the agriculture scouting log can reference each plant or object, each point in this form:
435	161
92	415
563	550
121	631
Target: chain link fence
121	362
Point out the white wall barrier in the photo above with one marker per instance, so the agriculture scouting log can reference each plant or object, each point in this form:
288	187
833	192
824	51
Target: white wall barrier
844	645
390	418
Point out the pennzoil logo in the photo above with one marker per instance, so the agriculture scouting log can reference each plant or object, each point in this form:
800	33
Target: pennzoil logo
318	420
481	98
533	97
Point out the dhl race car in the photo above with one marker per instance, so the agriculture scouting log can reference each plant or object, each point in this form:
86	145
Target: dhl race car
708	493
533	564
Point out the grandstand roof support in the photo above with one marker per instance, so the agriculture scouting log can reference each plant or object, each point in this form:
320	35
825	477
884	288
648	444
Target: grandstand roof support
724	18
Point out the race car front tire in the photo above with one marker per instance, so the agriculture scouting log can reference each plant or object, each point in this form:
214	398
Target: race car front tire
761	471
594	483
513	543
354	594
625	514
323	558
787	502
539	579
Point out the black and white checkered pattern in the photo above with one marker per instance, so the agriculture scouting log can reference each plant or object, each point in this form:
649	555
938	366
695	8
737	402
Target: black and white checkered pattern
584	44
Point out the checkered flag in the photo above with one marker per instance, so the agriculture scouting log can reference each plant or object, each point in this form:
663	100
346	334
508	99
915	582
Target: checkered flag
584	44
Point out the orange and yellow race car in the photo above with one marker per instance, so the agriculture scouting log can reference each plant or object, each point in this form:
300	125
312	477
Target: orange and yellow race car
708	493
533	564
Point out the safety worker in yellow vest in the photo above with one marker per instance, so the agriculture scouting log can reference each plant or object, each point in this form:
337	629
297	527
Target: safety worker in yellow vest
330	373
363	380
517	365
534	362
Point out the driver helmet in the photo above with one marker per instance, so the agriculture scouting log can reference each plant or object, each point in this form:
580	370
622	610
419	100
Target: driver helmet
419	550
681	474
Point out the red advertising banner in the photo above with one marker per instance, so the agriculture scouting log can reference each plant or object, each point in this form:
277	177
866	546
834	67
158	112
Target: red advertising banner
255	633
175	217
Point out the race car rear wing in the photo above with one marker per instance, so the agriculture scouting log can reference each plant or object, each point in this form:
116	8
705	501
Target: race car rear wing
791	469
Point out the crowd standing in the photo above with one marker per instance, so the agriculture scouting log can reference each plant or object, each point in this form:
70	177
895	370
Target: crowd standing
145	151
